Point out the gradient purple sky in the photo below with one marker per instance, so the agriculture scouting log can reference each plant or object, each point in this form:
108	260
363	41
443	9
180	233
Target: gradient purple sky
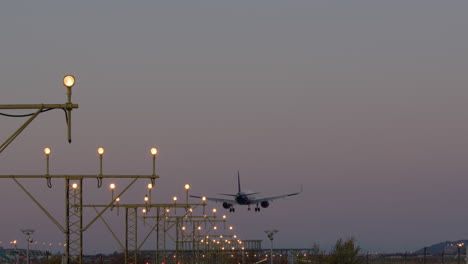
362	102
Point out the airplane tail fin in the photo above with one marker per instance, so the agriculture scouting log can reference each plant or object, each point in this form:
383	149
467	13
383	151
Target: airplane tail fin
238	181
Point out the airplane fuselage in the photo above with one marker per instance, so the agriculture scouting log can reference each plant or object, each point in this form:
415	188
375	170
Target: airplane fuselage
243	199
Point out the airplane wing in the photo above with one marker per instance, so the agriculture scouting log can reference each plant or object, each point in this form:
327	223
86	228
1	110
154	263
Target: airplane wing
220	200
233	195
252	193
275	197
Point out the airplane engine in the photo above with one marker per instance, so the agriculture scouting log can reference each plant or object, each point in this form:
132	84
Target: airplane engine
265	204
227	205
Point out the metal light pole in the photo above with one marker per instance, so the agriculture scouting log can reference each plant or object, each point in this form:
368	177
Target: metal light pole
270	234
243	255
459	245
16	251
28	233
424	259
187	187
458	251
153	152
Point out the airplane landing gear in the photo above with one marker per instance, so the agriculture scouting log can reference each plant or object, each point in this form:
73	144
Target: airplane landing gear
257	209
232	209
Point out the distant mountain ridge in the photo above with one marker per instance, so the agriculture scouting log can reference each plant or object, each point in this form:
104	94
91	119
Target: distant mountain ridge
446	248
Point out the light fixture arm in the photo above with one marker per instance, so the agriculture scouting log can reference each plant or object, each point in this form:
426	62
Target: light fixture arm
68	81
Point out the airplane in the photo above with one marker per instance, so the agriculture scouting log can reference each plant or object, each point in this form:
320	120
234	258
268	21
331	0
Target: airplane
243	198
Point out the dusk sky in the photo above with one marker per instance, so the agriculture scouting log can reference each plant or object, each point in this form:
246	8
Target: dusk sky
364	103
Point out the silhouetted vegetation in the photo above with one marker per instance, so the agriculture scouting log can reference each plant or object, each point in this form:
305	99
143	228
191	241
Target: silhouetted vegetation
343	252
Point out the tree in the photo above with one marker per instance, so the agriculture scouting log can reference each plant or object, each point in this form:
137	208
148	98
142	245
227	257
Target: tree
344	252
317	254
